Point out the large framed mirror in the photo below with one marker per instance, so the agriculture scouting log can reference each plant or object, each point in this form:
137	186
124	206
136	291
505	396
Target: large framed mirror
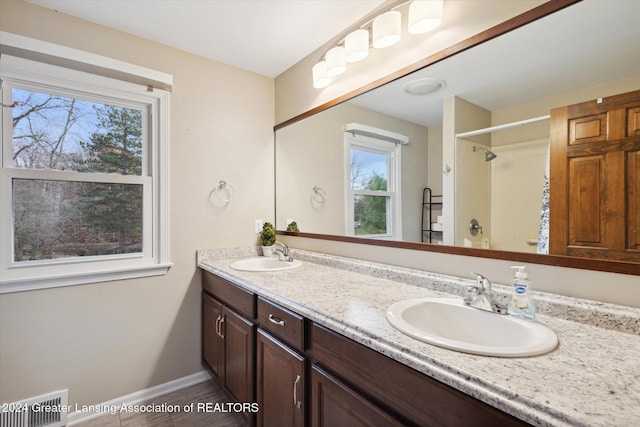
452	157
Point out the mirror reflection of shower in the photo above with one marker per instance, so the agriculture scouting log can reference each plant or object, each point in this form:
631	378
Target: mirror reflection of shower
488	155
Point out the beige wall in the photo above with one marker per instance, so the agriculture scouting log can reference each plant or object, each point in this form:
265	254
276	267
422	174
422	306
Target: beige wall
295	95
471	188
543	106
106	340
311	153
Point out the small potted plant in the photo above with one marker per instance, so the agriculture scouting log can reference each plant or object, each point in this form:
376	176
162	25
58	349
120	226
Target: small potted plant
267	238
293	227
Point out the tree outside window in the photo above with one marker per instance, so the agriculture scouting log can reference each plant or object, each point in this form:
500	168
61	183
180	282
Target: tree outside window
55	218
372	201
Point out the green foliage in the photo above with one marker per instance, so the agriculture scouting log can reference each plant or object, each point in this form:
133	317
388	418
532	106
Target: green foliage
115	147
377	182
267	235
57	218
292	226
370	212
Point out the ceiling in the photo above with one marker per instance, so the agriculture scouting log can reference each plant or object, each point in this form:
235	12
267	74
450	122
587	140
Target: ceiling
263	36
549	56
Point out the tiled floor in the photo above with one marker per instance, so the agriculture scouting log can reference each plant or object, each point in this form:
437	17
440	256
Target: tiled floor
206	392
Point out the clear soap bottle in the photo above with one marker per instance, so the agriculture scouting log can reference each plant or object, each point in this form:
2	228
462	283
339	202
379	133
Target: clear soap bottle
522	304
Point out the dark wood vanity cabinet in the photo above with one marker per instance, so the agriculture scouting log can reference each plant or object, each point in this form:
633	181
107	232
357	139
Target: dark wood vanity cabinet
301	373
280	383
212	344
413	398
281	378
335	404
228	338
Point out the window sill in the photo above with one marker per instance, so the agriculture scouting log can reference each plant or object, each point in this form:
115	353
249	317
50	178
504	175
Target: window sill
19	284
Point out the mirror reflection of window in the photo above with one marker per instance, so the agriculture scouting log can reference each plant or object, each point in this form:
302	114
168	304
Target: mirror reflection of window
373	196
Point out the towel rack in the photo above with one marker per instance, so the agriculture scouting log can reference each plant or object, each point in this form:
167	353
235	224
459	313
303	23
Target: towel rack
318	194
231	191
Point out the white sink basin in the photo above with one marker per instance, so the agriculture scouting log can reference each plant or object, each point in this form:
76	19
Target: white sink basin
262	263
448	323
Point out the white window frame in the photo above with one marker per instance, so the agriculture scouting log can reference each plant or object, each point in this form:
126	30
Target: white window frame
394	209
155	257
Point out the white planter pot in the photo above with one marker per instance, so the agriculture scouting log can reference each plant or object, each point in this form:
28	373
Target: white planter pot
267	250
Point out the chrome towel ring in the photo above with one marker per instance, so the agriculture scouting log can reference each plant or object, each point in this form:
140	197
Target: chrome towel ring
319	195
230	191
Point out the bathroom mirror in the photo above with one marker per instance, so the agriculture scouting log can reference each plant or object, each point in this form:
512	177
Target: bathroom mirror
585	51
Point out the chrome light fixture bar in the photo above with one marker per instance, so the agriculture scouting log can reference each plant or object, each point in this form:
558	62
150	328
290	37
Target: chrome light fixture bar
381	29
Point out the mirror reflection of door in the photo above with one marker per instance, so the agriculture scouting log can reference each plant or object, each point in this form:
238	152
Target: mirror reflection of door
595	178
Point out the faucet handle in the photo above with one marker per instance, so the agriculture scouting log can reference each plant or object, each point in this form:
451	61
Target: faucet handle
480	279
283	252
483	283
284	246
470	294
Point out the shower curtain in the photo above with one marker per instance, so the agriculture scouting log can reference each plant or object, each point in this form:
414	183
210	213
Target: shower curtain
543	235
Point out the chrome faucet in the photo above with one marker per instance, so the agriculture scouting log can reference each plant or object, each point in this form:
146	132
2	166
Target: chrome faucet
283	251
480	297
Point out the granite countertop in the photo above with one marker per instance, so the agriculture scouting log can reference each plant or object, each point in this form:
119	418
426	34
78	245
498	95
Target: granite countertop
591	379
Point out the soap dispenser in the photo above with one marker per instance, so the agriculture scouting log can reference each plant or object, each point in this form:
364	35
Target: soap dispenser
522	304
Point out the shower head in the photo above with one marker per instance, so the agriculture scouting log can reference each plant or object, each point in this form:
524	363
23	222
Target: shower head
488	155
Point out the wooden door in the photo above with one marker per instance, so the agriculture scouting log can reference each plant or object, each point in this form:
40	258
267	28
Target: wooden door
212	344
280	383
335	404
595	179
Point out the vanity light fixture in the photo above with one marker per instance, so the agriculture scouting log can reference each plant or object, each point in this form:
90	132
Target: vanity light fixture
320	75
424	16
387	29
336	63
356	45
380	30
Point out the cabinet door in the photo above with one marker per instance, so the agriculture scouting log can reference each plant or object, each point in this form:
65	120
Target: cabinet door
334	404
212	343
595	179
238	334
280	383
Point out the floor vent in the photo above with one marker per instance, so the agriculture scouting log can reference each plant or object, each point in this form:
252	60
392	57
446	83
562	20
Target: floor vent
48	410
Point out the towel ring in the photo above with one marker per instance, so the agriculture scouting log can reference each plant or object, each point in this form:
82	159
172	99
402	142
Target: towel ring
231	191
319	195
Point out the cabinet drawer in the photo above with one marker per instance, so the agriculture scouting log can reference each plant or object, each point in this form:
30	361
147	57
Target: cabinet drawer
281	322
417	397
242	301
335	404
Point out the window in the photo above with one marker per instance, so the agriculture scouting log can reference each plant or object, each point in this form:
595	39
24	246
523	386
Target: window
373	187
83	187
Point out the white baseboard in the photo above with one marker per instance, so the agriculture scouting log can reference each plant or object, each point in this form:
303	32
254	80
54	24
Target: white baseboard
140	396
